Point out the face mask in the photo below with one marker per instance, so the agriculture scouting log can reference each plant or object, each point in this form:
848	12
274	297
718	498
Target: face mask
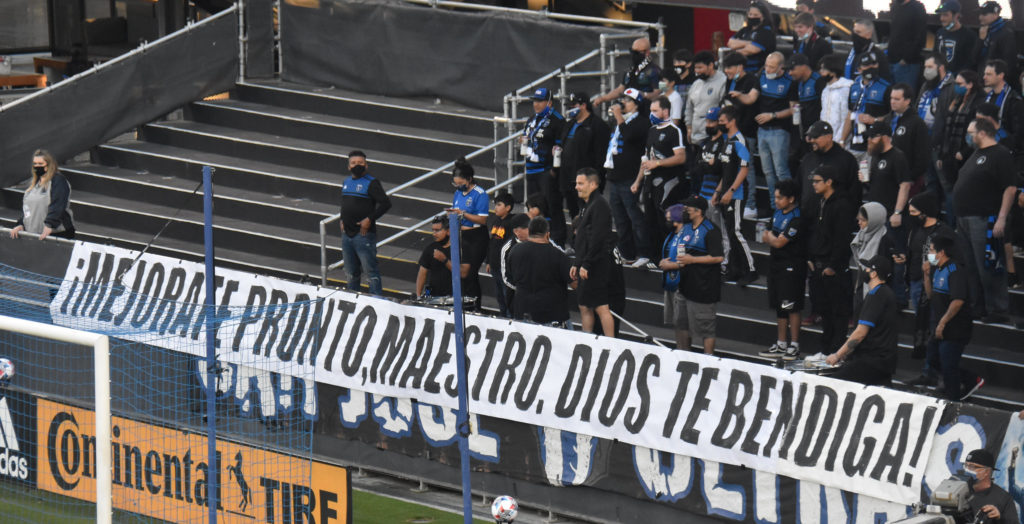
771	76
806	36
870	74
711	130
753	21
637	57
930	73
655	120
39	170
918	219
663	85
970	140
680	70
572	112
702	76
462	187
357	170
960	90
933	259
949	26
860	44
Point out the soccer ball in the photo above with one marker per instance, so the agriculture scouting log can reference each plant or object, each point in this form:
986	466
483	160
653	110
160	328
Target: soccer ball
6	369
505	509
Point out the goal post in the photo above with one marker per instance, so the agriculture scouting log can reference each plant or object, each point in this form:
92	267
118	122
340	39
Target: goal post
100	345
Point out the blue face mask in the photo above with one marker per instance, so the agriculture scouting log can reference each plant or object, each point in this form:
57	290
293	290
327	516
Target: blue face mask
572	112
960	90
970	140
655	120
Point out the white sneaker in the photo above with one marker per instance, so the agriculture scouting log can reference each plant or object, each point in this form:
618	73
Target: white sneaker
640	262
776	351
792	352
750	214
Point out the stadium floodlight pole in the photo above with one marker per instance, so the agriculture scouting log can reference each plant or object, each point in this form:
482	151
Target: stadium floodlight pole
462	417
211	351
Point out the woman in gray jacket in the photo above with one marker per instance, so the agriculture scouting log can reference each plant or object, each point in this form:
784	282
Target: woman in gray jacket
46	205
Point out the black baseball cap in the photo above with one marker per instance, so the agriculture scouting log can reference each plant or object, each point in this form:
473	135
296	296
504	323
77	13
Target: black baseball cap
798	59
981	457
879	128
696	202
989	7
819	129
578	98
949	5
867	59
881	264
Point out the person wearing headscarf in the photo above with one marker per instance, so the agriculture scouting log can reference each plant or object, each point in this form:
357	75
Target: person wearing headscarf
869	242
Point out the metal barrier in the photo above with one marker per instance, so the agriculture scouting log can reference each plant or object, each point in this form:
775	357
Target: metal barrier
324	267
7	231
647	336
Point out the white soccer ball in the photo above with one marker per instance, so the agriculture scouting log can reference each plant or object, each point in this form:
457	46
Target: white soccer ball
505	509
6	369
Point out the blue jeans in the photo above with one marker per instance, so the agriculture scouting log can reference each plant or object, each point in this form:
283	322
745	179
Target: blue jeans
994	298
916	290
944	360
360	253
773	143
629	221
909	73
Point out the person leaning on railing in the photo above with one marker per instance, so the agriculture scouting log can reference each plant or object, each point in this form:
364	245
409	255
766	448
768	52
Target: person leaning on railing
46	205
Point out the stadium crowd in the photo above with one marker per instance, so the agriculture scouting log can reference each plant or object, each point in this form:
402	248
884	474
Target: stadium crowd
893	181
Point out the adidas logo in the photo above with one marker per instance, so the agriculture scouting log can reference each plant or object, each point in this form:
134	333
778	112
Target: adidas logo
11	464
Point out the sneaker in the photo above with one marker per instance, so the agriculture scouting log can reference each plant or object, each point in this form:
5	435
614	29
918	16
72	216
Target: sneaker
776	351
792	352
922	380
640	262
626	261
650	266
973	389
747	279
750	214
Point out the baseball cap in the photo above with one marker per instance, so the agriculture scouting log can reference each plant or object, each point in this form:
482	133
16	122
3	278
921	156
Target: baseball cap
989	7
542	94
881	264
879	128
713	113
633	93
520	221
798	59
697	202
819	129
981	457
578	98
949	5
868	58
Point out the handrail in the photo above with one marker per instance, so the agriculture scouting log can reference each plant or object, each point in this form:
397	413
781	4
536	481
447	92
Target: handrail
324	267
560	70
109	63
545	13
6	231
646	335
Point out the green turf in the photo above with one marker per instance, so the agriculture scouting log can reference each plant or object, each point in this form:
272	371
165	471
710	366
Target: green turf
368	508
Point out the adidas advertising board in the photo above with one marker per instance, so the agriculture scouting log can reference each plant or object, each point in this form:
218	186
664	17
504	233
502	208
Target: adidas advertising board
17	437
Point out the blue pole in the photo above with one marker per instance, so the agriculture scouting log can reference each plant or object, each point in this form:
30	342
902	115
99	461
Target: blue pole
460	360
211	350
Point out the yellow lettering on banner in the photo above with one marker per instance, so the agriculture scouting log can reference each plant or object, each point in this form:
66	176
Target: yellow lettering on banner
161	472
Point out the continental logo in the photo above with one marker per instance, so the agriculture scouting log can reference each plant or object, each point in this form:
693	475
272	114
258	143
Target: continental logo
163	473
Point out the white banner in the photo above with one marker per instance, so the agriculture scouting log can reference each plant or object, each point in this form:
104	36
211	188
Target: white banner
868	440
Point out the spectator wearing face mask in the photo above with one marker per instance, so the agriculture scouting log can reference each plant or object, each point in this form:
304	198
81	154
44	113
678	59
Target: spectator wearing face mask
953	148
756	40
706	92
774	121
997	39
956	43
807	41
869	102
864	43
363	202
809	87
988	498
909	135
584	144
625	150
807	6
936	93
675	218
434	278
682	66
835	96
708	172
643	75
907	33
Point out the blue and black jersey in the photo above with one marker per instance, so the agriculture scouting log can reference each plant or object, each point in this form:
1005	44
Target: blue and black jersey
543	132
790	226
362	197
776	94
763	38
734	157
949	283
709	167
475	202
701	282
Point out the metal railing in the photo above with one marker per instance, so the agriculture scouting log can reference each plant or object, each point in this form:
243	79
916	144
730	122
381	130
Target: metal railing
646	336
5	232
325	267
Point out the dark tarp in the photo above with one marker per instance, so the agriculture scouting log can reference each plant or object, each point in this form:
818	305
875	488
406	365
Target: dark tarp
259	32
81	112
395	49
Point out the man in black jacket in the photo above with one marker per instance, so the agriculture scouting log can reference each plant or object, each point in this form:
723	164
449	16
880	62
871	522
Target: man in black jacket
958	44
363	202
595	241
1011	110
807	41
829	257
907	34
825	152
622	159
540	272
910	135
997	40
584	143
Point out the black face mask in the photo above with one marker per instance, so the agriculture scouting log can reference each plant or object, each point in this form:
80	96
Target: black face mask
702	76
860	44
358	170
753	22
711	130
637	57
871	73
918	220
39	170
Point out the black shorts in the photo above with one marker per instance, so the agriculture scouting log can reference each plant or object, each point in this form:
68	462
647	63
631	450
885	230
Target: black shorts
786	288
594	290
473	248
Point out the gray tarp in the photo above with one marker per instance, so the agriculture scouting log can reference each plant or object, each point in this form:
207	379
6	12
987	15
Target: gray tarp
395	49
84	111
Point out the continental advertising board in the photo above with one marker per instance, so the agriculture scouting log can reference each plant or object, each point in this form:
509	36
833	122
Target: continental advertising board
163	473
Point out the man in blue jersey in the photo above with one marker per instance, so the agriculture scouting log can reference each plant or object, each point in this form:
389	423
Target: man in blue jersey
787	270
670	276
698	257
543	134
709	170
732	190
363	202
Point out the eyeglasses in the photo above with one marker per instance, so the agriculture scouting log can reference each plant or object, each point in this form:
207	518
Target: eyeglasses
817	181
